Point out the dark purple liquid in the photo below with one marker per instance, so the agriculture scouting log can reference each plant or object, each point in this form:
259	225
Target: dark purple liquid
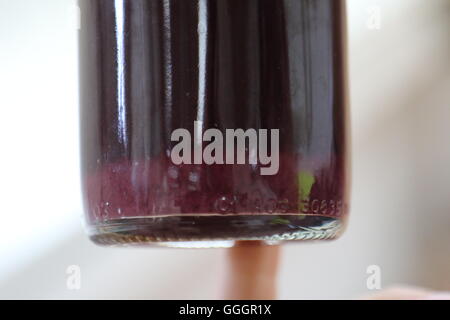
149	67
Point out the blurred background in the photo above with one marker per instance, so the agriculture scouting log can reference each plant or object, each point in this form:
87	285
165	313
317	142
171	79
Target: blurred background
400	219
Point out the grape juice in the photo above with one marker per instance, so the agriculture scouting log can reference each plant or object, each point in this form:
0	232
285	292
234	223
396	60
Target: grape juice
150	67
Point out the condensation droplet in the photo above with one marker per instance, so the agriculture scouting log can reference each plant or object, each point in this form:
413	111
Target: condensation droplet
283	206
97	212
271	206
173	173
223	204
256	200
194	177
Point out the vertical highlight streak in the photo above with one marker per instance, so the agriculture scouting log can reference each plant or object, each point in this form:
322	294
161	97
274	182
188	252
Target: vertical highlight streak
168	81
120	39
202	51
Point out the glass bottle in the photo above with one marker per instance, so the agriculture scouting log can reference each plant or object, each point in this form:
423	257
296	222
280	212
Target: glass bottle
165	87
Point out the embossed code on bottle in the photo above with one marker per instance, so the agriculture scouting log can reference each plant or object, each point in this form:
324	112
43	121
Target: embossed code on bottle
324	207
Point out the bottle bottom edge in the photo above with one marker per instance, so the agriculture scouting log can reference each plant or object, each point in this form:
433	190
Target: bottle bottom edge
214	231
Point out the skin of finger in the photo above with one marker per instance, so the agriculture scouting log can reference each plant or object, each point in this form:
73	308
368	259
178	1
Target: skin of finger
252	269
402	293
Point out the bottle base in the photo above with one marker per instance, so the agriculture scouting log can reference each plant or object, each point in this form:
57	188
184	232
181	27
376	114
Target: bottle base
213	231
